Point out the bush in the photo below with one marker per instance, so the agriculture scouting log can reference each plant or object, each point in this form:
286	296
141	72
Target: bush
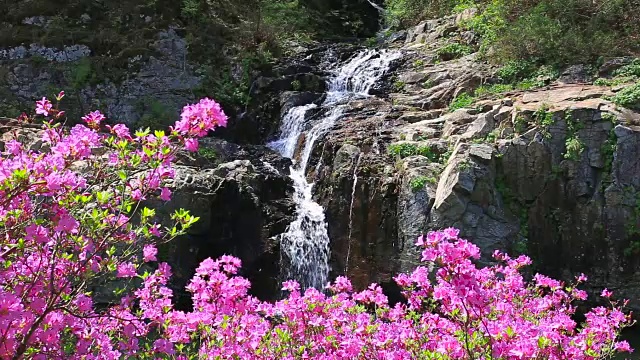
68	226
558	32
463	100
403	150
453	51
630	70
418	183
628	97
516	70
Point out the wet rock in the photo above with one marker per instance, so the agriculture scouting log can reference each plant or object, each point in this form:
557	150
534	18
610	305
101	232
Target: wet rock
290	99
243	205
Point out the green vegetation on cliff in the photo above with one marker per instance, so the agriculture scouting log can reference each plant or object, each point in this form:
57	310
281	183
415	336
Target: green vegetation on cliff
542	31
228	40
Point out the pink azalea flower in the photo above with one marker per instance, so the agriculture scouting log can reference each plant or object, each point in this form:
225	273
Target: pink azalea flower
126	270
165	194
149	252
93	119
191	144
43	107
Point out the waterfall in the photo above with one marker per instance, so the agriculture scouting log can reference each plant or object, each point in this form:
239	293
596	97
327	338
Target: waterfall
380	9
304	247
383	15
292	126
353	198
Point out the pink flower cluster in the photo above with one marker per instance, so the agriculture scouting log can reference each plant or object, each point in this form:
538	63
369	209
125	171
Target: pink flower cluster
198	119
66	216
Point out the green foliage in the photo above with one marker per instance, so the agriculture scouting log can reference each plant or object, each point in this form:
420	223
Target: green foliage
632	227
418	183
520	124
444	157
403	150
618	80
491	137
525	75
427	84
453	51
544	119
38	60
296	85
80	73
208	153
609	148
630	70
628	97
493	89
398	86
625	75
574	146
464	165
462	5
156	115
515	70
403	13
463	100
555	32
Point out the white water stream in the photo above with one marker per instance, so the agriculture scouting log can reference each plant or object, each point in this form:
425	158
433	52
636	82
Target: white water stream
304	247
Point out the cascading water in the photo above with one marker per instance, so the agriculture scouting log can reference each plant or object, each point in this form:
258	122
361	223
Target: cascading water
292	126
380	9
383	14
353	198
304	247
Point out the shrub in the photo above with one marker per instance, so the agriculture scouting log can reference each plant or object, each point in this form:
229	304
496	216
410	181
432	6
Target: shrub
418	183
628	97
403	13
403	150
453	51
463	100
574	147
67	214
630	70
515	70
